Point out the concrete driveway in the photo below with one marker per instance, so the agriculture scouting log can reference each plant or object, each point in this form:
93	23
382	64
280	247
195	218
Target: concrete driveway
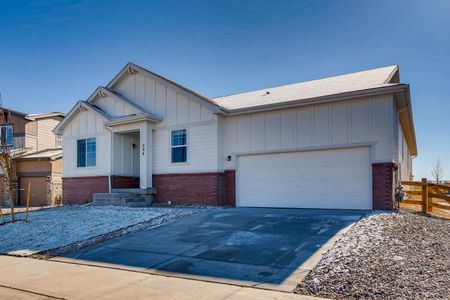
267	248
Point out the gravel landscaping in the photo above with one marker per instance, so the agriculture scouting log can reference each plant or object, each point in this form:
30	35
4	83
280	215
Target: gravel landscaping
66	228
398	255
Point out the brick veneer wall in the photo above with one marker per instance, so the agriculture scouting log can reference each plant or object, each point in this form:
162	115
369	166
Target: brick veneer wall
197	188
124	182
383	185
230	187
79	190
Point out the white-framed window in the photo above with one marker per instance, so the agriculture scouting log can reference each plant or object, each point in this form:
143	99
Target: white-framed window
7	135
86	152
178	144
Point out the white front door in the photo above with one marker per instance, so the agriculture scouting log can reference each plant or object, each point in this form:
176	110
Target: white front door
338	178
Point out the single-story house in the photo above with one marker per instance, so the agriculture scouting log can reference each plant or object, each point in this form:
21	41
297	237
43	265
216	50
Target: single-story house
339	142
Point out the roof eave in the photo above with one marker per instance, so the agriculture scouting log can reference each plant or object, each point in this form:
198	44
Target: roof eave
407	123
32	117
121	98
70	115
131	120
316	100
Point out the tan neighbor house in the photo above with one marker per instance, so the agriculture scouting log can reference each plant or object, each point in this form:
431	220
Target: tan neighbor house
43	169
38	155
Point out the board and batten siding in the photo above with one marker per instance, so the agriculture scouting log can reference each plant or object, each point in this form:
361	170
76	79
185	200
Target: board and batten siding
86	124
114	107
403	157
366	120
179	110
173	104
126	158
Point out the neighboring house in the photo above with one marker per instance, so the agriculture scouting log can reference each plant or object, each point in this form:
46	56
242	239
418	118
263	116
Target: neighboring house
39	134
38	154
338	142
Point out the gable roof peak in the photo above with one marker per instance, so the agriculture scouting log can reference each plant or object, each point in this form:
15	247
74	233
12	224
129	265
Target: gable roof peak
131	68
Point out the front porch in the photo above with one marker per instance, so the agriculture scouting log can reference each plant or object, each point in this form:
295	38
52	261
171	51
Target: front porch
130	182
131	157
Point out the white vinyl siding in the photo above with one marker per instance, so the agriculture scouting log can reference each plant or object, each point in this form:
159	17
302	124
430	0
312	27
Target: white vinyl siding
174	105
404	160
202	149
360	121
86	124
179	109
115	107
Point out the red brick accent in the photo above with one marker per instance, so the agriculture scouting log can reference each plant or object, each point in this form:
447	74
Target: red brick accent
230	187
124	182
197	188
79	190
383	185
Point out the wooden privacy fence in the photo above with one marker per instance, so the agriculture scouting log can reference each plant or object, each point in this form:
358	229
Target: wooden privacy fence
426	194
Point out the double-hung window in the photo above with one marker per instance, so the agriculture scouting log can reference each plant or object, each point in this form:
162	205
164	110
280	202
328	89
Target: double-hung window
86	153
179	145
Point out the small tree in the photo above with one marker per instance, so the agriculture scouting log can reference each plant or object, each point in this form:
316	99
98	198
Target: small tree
438	171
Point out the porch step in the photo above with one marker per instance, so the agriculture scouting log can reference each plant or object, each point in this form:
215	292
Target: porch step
123	198
150	191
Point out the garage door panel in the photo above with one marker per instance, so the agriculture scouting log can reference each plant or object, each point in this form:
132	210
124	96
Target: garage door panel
37	193
313	179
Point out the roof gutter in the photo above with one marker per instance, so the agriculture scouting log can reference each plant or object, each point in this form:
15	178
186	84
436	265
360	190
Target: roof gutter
408	109
132	120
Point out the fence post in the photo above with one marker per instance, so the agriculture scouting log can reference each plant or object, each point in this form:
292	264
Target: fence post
424	195
430	202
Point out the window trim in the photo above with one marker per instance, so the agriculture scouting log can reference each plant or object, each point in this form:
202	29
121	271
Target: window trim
7	126
86	153
179	146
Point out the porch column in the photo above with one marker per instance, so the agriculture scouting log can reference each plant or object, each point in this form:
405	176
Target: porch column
146	156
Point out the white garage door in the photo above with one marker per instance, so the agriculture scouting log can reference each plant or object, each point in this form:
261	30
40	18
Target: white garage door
311	179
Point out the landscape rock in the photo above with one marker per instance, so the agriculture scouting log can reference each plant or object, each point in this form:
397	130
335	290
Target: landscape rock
387	255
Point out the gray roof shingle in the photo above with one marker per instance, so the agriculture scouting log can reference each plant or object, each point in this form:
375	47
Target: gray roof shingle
369	79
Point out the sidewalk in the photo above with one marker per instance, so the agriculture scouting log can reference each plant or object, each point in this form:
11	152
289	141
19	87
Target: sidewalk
26	278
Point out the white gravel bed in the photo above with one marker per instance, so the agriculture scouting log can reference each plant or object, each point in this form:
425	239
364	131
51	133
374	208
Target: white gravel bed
400	255
68	225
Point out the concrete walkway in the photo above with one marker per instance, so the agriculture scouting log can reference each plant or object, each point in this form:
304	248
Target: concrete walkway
25	278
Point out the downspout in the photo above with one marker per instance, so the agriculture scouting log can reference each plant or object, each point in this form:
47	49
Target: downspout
407	108
398	118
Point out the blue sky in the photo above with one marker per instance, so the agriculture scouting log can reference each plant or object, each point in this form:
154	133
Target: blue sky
53	53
